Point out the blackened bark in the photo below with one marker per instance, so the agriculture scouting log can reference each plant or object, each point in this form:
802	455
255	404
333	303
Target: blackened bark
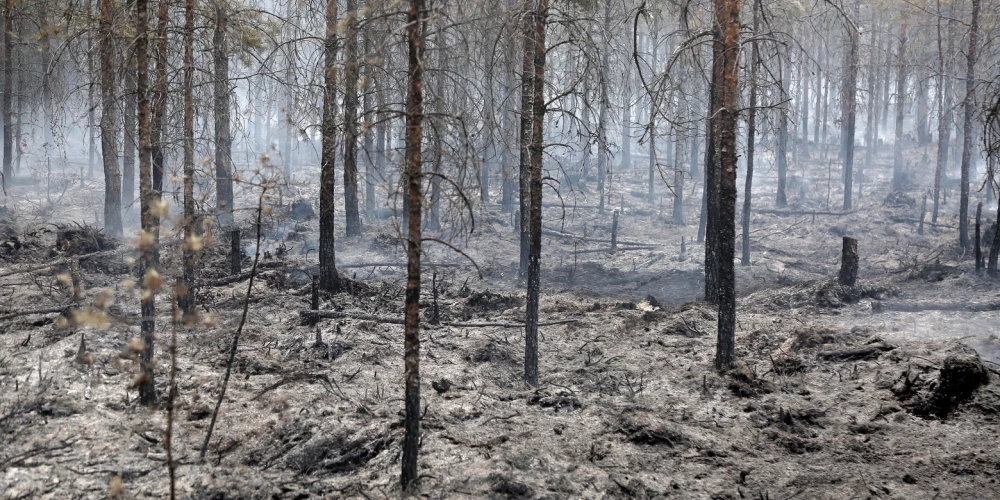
727	16
148	217
223	139
159	103
109	122
710	201
351	75
991	267
969	108
602	117
979	248
187	302
524	170
944	109
849	262
781	199
679	173
897	150
416	18
850	105
751	138
329	279
8	90
535	220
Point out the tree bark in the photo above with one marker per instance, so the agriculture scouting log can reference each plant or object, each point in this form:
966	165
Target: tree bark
416	18
535	253
351	76
969	108
727	17
849	103
148	217
187	302
602	118
109	122
524	170
223	139
944	109
751	132
159	104
8	91
784	63
897	150
849	262
329	279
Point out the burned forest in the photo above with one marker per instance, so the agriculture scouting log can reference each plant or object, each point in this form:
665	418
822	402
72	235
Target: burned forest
707	249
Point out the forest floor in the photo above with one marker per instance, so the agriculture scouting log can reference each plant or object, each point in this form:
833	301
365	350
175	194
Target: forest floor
837	394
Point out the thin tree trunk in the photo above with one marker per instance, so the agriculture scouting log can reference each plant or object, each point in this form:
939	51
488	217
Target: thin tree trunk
367	133
159	104
727	16
149	219
527	97
781	199
329	279
602	119
109	122
535	254
416	17
187	304
351	76
751	132
223	139
897	150
128	120
849	103
710	204
944	110
8	91
969	108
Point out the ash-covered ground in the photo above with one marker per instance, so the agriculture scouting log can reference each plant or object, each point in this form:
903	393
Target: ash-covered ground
873	391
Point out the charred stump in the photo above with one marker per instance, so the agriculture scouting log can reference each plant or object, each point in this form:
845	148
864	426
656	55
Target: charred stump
849	262
235	253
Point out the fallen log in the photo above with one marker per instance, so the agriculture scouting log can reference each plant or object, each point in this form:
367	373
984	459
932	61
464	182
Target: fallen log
57	262
308	314
393	264
242	276
791	213
963	306
29	312
857	354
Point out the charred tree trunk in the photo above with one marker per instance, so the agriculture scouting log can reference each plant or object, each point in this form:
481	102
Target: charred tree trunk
849	94
187	303
351	76
329	280
751	133
968	106
8	90
678	209
784	63
849	262
223	139
897	150
159	104
944	110
148	217
524	170
710	198
535	220
602	117
416	17
129	118
367	133
109	122
727	17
